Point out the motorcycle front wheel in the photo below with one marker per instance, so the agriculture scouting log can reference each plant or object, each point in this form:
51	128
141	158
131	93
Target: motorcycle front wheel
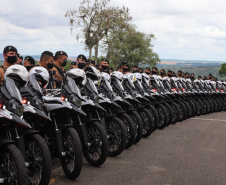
39	160
13	168
72	161
97	151
131	134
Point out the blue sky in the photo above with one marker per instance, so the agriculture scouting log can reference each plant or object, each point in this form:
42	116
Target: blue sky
185	29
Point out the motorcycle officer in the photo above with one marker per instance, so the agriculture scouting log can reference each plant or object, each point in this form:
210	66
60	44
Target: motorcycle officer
162	73
81	62
61	59
29	62
148	71
19	59
90	63
124	67
10	56
155	71
179	74
104	65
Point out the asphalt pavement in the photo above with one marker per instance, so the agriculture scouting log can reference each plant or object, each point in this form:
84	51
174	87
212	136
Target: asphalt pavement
190	152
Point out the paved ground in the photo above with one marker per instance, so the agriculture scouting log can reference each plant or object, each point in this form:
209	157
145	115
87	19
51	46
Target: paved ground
191	152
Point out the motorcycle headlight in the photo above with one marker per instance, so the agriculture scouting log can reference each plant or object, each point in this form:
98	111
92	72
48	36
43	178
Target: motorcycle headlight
16	109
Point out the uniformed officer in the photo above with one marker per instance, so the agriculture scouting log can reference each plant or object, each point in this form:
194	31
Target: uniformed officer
61	59
111	70
10	55
124	67
104	65
155	71
179	74
135	69
29	62
147	71
46	60
73	65
162	73
19	59
81	62
90	63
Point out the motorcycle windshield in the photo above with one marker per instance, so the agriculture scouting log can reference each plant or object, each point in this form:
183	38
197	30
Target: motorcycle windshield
73	87
92	86
12	89
108	85
119	85
35	84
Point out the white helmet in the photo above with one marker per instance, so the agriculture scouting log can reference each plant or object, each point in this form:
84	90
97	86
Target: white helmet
138	76
41	74
78	75
105	76
18	73
117	74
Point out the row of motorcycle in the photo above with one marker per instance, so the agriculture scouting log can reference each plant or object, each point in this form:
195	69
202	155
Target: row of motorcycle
94	114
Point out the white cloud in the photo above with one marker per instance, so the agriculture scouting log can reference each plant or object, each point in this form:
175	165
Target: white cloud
185	29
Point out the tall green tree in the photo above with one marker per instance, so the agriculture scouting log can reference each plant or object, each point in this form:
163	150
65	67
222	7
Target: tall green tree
222	71
92	17
134	47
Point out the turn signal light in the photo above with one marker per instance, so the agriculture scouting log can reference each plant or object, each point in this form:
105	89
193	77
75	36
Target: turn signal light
217	90
154	90
174	89
62	98
183	89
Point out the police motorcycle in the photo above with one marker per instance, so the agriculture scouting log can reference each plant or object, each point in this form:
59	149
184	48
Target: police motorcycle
114	127
179	100
215	88
106	90
32	145
171	93
194	96
127	104
209	97
39	168
62	139
163	108
147	94
187	99
146	113
220	89
12	164
134	89
199	86
86	119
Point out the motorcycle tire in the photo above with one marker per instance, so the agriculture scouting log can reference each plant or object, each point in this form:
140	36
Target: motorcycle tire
192	106
13	166
96	154
210	101
39	171
117	136
154	113
163	116
199	107
137	124
72	161
204	107
176	112
131	134
169	112
183	110
220	104
147	121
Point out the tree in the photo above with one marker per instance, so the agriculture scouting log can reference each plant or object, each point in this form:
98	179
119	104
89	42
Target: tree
134	47
93	18
222	71
120	24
